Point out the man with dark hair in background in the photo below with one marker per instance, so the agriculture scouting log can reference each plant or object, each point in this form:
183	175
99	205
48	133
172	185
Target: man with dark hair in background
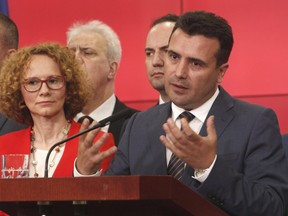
156	48
9	39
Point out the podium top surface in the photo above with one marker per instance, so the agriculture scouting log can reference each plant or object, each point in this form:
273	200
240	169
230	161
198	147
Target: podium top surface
122	188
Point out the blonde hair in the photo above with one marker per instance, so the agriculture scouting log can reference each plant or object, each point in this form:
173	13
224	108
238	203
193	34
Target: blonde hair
12	73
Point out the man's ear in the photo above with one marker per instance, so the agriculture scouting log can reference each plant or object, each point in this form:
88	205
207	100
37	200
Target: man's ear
113	70
221	71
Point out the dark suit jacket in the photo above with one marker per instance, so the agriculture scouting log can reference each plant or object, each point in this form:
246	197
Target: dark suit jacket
250	175
8	125
115	127
285	142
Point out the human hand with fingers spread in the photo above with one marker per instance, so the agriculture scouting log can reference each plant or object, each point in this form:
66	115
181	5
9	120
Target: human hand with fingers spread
93	156
243	168
197	151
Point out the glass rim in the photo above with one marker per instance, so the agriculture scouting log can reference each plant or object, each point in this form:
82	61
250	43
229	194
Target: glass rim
44	81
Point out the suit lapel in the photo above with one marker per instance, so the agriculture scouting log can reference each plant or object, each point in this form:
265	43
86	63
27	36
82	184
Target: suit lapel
3	120
118	106
116	126
155	130
223	111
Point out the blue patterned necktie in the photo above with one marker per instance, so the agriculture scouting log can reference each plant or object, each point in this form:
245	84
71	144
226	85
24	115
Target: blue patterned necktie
176	165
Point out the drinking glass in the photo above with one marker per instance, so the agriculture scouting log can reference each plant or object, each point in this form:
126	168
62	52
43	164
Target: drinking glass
15	166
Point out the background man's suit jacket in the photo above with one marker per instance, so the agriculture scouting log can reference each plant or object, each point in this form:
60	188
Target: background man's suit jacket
115	127
8	125
250	176
285	143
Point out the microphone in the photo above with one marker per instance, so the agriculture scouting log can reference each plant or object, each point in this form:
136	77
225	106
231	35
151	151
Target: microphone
102	123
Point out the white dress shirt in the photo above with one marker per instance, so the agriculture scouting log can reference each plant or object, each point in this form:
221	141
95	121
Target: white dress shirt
161	101
103	111
196	124
200	114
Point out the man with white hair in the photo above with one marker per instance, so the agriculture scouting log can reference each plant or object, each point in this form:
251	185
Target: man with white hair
98	49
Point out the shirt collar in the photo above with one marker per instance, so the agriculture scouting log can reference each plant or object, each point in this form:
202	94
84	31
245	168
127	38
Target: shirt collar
200	112
103	111
161	101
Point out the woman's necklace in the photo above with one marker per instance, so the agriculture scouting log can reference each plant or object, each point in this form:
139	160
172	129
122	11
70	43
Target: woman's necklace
56	150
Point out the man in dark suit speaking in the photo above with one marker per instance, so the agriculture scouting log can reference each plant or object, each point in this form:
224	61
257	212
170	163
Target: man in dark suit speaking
230	152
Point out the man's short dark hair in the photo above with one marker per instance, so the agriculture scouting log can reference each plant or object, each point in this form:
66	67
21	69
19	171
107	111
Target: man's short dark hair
211	26
9	32
166	18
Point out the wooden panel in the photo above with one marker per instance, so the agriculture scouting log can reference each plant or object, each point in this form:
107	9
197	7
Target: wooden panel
151	195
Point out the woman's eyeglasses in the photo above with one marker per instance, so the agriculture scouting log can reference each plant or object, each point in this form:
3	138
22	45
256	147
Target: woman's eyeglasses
34	84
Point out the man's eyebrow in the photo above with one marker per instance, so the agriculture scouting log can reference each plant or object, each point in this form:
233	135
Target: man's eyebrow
165	47
84	48
161	48
149	49
197	60
172	51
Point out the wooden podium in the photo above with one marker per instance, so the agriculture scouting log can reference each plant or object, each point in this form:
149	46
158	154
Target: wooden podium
117	195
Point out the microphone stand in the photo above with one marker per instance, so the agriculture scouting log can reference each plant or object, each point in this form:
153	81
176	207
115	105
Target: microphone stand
98	125
44	206
101	123
79	206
